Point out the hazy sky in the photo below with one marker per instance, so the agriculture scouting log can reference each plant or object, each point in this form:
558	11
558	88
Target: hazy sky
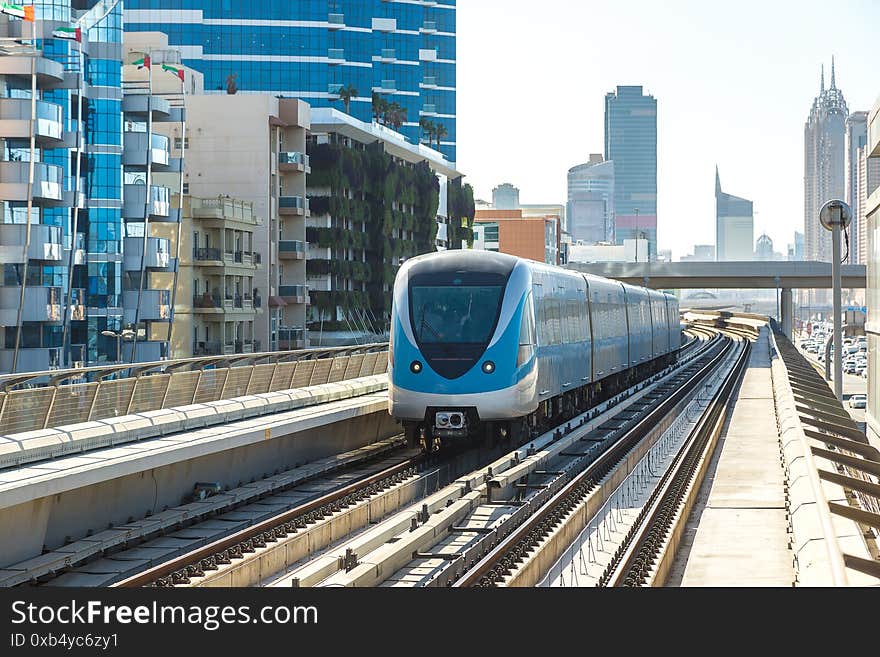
734	82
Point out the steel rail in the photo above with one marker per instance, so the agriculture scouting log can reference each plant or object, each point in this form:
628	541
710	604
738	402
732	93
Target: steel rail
277	527
645	539
481	571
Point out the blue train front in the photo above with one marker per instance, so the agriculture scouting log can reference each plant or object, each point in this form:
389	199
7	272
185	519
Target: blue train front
462	344
490	345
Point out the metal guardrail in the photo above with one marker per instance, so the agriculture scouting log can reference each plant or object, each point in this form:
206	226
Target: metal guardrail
87	395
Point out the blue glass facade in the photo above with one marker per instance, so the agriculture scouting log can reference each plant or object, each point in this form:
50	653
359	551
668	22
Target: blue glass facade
631	143
94	284
308	49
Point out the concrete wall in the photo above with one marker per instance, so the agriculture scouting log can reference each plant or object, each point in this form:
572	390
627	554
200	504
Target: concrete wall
53	520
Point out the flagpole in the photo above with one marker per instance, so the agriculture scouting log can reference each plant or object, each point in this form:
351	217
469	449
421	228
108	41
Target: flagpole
30	190
71	260
179	203
144	241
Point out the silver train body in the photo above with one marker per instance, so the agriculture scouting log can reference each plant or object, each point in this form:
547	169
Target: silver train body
480	337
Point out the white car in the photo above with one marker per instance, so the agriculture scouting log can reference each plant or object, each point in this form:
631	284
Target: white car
858	401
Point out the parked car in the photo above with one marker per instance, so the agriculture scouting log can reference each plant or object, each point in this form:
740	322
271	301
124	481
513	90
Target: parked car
858	401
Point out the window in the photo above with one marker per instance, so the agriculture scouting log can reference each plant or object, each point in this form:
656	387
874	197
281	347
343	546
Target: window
455	314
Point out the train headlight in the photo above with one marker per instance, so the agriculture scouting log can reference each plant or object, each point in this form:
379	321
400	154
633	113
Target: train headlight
488	367
415	367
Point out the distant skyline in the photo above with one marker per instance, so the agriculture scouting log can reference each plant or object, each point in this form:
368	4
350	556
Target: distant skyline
734	86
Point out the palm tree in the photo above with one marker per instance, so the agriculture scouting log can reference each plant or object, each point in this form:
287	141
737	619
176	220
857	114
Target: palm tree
345	94
396	116
440	133
380	107
428	127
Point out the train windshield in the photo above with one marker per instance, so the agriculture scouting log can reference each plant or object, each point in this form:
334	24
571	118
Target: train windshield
455	314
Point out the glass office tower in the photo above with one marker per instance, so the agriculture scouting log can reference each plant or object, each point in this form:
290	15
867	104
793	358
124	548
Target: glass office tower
403	51
631	142
62	274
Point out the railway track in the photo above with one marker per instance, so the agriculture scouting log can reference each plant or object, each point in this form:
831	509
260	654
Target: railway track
527	554
431	544
314	537
644	557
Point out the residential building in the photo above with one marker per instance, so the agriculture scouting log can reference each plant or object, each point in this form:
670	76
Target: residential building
872	326
218	300
403	51
375	200
590	215
505	197
631	143
824	165
252	148
734	225
508	231
856	138
78	255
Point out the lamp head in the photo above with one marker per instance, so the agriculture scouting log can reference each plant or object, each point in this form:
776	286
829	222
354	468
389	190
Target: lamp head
835	213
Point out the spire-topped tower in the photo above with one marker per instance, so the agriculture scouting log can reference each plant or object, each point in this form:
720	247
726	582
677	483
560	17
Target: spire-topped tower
824	138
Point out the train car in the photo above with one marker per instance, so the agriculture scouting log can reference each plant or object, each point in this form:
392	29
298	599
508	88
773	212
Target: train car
487	344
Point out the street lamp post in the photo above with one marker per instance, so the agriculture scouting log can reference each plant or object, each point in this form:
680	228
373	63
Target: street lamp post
125	334
834	216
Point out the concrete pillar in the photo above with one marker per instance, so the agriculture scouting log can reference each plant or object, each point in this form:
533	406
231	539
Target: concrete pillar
786	310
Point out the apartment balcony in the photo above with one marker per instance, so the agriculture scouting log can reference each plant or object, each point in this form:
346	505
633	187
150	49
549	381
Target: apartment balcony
15	122
155	305
207	303
41	304
207	257
293	161
294	293
388	55
148	351
48	182
292	250
428	27
49	73
225	210
207	349
37	359
291	338
238	303
238	259
335	21
157	256
135	199
142	104
137	144
45	243
293	205
77	304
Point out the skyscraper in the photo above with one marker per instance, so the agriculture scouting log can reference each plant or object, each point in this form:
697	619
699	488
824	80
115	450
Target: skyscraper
631	143
505	197
856	138
734	225
591	201
61	237
824	164
403	51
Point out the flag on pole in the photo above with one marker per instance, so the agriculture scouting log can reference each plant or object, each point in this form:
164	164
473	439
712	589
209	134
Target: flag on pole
68	33
143	62
173	69
25	13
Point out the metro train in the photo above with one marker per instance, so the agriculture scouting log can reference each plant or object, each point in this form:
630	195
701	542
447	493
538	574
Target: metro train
490	345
